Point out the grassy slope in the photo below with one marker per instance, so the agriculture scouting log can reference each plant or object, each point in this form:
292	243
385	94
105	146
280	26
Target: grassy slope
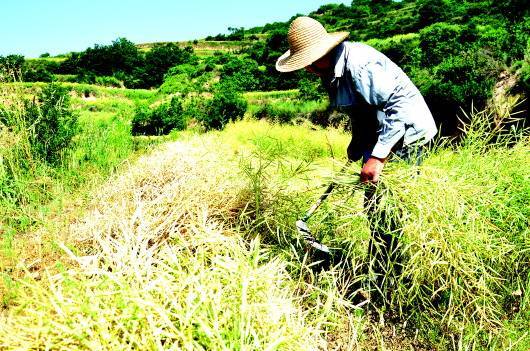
102	146
160	259
203	47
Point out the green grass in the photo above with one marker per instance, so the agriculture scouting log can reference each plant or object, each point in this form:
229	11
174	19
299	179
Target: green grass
31	190
203	47
267	96
281	110
82	89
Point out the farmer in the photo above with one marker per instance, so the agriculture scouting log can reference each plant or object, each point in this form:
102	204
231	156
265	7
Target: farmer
389	117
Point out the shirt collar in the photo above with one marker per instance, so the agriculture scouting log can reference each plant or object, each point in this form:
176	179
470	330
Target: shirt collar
340	60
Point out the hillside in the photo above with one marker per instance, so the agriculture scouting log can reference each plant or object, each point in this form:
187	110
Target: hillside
455	52
202	47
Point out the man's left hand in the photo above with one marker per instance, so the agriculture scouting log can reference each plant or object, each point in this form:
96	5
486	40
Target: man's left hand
372	170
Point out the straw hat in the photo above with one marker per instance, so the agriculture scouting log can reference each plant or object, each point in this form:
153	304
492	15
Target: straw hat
308	41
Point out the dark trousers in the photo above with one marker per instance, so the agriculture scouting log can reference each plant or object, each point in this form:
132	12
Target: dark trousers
385	263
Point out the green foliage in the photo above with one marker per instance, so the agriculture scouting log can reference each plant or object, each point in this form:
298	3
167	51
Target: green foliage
52	122
11	68
511	9
432	11
310	90
125	62
468	77
439	41
524	80
39	70
459	81
187	78
107	81
160	120
399	48
236	34
161	58
291	111
226	105
30	185
243	73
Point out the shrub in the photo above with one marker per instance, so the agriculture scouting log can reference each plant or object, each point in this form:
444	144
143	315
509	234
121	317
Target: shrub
39	70
439	41
160	120
432	11
109	81
11	68
310	90
161	58
244	73
52	123
226	105
37	74
176	83
399	48
460	81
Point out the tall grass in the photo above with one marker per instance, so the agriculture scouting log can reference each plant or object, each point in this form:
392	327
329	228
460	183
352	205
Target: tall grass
463	219
287	111
157	267
32	191
194	247
261	97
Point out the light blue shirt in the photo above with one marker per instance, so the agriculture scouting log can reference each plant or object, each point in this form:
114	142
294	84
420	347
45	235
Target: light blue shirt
402	111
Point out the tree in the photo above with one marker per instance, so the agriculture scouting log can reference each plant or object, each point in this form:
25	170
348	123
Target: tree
432	11
161	58
105	60
11	68
226	105
512	9
243	72
236	34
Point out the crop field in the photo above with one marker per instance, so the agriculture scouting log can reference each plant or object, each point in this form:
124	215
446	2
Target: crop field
188	241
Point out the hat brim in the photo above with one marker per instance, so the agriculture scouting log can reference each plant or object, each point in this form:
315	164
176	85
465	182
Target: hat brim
303	58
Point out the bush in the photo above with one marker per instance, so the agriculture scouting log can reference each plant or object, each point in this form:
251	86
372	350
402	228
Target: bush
439	41
11	68
399	48
460	81
160	120
52	123
310	90
161	58
37	74
111	81
432	11
226	105
39	70
187	78
244	73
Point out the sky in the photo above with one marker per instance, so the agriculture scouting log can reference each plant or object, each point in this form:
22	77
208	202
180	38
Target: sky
34	27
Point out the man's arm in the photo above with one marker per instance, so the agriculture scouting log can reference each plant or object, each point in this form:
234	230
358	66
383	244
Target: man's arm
376	86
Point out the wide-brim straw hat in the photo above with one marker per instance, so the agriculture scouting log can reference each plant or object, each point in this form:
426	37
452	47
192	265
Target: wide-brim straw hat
308	41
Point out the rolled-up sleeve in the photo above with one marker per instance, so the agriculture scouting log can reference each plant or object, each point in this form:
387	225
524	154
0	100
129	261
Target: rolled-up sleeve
377	86
392	129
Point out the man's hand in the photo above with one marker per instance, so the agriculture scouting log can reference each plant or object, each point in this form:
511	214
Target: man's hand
372	170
